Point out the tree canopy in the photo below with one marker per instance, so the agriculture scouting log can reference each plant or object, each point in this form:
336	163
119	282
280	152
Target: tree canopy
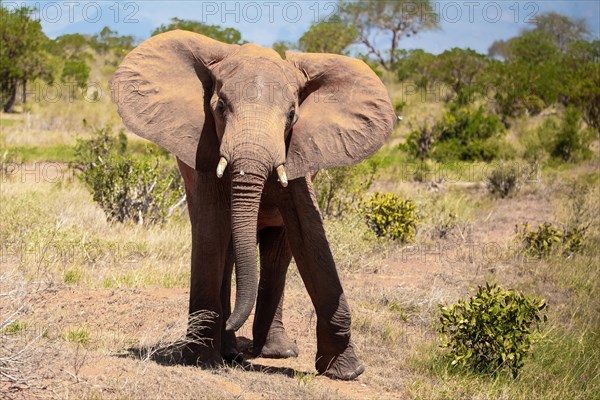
225	35
393	18
22	55
328	36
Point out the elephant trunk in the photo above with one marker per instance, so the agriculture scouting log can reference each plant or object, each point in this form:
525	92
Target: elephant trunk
248	179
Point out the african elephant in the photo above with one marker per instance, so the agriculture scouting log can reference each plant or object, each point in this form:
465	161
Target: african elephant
248	129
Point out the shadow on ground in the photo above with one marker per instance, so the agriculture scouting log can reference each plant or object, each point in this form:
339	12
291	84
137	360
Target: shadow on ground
171	354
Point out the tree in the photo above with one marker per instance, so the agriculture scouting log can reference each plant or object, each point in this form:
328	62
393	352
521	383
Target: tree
282	46
394	18
22	53
582	80
416	65
530	77
108	40
557	28
226	35
70	45
562	29
459	69
73	50
328	36
497	49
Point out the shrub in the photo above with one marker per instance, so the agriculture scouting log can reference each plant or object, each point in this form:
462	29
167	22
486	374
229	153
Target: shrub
419	142
468	135
533	104
570	144
341	189
492	330
392	217
126	188
504	181
548	239
538	142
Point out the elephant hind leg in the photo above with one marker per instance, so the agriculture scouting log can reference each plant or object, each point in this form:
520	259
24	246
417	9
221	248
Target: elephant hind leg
269	336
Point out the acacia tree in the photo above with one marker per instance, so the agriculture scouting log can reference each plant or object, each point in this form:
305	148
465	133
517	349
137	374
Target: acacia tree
22	54
394	19
328	36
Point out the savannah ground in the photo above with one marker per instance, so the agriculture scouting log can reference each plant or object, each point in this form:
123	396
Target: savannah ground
90	309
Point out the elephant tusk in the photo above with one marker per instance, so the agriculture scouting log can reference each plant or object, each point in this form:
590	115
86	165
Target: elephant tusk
282	176
221	167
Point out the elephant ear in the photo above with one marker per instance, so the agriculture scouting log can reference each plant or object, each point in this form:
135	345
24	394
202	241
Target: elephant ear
345	114
162	90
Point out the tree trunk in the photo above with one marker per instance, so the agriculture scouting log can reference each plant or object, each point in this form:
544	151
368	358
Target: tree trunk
24	96
12	96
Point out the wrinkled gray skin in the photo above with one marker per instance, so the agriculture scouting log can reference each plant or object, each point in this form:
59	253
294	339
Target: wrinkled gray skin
204	100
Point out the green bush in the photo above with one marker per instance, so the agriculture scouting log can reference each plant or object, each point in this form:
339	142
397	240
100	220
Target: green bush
390	216
570	143
468	135
127	188
504	180
549	240
462	134
339	190
492	330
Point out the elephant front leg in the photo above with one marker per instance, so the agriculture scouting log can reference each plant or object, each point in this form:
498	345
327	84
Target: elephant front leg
229	349
335	352
269	336
211	237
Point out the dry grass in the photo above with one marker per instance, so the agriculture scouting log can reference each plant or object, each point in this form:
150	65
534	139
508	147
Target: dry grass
95	310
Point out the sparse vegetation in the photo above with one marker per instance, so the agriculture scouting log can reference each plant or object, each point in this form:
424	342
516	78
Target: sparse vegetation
504	181
79	335
340	190
549	240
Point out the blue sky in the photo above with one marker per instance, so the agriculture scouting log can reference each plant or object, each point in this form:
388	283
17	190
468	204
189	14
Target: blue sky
474	24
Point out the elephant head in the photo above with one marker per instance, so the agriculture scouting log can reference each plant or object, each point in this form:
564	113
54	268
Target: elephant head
244	112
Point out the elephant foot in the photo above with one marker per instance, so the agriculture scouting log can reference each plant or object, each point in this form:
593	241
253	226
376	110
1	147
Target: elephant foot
229	348
277	346
345	366
201	356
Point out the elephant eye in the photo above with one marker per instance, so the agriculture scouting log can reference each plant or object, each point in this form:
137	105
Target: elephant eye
221	106
291	117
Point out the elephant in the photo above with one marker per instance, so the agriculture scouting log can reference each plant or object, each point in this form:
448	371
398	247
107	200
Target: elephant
249	130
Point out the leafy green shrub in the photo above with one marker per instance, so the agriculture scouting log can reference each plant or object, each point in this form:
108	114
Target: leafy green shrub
548	239
504	180
492	330
390	216
468	135
570	143
126	188
341	189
